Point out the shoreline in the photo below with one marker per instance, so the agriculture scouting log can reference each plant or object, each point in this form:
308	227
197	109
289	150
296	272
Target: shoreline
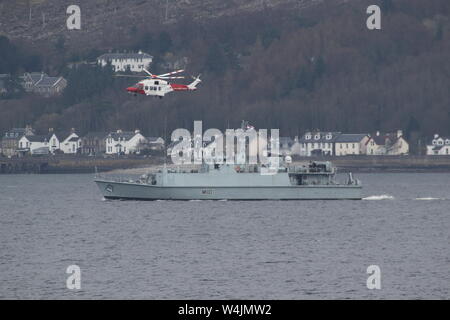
141	165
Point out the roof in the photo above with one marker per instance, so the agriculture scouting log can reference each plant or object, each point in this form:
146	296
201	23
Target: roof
445	139
48	81
41	79
122	56
73	139
37	138
96	134
286	140
379	139
350	137
127	135
35	76
15	132
42	150
322	137
154	139
173	144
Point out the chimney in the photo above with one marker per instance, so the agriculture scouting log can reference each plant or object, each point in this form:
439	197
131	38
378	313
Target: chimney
399	133
119	131
50	129
28	130
137	131
378	133
72	130
436	136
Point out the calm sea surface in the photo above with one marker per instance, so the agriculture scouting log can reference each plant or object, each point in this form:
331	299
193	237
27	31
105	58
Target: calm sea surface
224	249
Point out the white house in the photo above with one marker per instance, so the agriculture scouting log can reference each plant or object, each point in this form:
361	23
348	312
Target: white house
387	144
155	143
135	62
34	144
53	140
71	144
351	144
439	146
125	142
318	143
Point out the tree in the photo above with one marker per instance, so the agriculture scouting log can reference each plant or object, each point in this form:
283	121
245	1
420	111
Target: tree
215	60
164	42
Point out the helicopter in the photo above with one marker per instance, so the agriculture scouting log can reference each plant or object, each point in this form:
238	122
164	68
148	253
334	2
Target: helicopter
158	86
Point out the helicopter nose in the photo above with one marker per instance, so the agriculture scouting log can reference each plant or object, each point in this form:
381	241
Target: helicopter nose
132	89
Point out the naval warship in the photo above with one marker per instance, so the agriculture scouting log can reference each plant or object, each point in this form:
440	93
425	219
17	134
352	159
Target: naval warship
310	181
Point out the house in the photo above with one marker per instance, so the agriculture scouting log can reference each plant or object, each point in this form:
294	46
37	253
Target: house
122	62
171	146
10	140
68	143
54	142
351	144
71	144
34	144
155	143
4	78
94	143
439	146
318	143
290	147
125	142
387	144
285	146
42	84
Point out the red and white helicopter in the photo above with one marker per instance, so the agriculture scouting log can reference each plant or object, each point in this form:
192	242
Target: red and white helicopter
157	86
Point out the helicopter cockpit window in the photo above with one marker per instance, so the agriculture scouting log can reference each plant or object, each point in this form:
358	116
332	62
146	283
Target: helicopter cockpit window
157	82
146	88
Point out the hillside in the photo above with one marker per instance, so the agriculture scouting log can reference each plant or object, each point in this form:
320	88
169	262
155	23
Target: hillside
286	64
38	20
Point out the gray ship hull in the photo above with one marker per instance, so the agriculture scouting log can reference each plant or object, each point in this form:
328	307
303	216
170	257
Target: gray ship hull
138	191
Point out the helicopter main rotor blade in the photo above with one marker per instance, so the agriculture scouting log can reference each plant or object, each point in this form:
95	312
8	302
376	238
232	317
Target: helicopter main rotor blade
128	76
170	78
149	73
170	73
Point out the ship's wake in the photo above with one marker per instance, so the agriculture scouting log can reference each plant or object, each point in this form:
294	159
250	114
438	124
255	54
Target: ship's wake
380	197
